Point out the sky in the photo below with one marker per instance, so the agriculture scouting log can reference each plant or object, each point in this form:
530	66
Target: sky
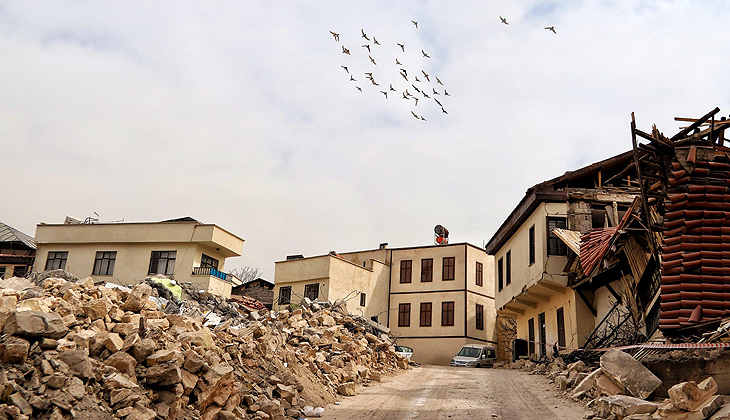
238	113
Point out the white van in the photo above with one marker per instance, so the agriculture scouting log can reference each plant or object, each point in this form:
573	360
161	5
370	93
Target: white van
475	355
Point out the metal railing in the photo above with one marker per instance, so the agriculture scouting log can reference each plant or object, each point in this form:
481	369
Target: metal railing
210	271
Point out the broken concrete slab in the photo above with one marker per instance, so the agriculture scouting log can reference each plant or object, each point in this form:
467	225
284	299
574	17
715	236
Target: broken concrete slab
626	371
624	405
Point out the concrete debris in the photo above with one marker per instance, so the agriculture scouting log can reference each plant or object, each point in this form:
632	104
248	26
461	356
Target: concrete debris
611	389
77	350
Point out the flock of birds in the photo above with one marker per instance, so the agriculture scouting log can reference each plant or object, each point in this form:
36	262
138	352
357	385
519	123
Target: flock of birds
424	88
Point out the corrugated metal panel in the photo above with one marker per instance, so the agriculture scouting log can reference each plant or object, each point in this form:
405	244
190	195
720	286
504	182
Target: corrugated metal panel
9	234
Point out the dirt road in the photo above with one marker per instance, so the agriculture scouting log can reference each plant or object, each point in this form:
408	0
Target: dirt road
438	392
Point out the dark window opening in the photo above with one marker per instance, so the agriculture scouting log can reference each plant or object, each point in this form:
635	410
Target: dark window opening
104	263
405	271
404	315
427	270
554	245
362	299
425	314
56	260
480	317
20	271
285	295
543	339
2	272
531	335
561	327
508	262
449	266
532	244
500	273
447	314
162	262
311	291
206	261
480	274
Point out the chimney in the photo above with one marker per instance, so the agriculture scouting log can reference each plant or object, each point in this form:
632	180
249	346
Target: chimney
383	245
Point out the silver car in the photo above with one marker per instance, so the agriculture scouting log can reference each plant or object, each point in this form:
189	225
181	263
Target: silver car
475	355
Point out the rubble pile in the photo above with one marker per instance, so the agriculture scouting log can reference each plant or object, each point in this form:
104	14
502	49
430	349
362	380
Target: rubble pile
621	388
78	350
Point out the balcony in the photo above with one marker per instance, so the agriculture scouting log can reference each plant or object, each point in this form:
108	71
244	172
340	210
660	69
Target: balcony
213	272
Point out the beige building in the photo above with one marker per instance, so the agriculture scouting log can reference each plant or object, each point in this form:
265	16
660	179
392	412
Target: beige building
532	282
17	251
126	253
434	299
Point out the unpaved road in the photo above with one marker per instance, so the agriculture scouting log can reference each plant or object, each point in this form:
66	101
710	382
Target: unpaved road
439	392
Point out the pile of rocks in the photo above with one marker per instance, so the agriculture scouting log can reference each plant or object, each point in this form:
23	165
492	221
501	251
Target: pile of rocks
77	350
620	386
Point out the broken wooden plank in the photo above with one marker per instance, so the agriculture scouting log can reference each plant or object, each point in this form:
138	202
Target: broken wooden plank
694	125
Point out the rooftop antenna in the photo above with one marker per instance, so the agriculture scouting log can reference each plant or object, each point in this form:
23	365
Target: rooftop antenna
92	220
440	235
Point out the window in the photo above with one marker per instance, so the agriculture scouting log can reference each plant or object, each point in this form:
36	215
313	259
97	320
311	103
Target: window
532	244
104	263
449	265
500	273
162	262
427	270
480	317
405	271
531	335
561	328
404	315
447	314
508	263
20	271
2	272
362	299
480	274
56	260
285	295
311	291
554	245
425	314
543	338
206	261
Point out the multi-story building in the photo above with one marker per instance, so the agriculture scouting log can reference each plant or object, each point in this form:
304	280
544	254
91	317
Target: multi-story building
17	251
434	299
126	253
532	281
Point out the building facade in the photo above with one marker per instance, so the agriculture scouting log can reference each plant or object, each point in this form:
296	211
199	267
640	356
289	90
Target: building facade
127	253
533	285
17	252
434	299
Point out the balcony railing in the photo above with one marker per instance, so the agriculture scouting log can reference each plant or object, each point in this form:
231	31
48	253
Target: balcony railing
210	271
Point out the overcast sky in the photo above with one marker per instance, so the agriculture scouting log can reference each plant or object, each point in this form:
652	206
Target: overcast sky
238	113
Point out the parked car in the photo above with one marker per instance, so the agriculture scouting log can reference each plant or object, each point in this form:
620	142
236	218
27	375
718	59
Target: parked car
475	355
404	351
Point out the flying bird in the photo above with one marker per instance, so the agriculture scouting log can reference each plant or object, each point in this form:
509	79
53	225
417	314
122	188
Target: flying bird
373	60
359	88
391	87
345	67
425	95
434	91
367	46
345	50
385	93
551	28
408	93
415	23
426	75
414	114
438	81
417	90
425	55
404	96
375	41
397	63
417	79
443	110
352	79
363	35
369	74
404	76
404	71
337	36
446	93
416	100
376	84
422	119
503	20
402	47
437	101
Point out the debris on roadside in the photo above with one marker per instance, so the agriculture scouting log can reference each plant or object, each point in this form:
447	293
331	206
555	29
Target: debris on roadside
75	349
